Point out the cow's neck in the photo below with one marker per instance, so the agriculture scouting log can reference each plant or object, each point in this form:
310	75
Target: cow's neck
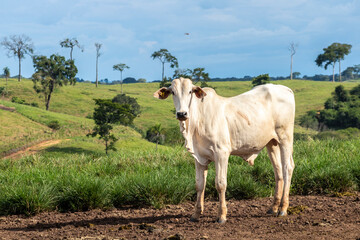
189	126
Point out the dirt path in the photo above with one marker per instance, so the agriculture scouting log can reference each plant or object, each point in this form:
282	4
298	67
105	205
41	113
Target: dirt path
33	149
314	217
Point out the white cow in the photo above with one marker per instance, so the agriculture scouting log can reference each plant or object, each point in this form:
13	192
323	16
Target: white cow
216	127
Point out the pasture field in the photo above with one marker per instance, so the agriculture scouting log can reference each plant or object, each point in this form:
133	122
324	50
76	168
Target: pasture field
77	175
68	178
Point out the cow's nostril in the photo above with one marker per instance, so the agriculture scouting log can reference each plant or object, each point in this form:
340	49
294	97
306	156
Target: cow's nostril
181	115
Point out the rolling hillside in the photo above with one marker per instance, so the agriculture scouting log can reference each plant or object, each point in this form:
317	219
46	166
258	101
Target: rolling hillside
71	104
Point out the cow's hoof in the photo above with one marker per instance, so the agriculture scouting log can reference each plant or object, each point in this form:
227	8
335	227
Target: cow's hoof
221	221
192	219
282	214
272	212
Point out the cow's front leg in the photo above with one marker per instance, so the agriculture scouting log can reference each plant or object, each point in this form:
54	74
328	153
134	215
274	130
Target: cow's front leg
201	173
221	165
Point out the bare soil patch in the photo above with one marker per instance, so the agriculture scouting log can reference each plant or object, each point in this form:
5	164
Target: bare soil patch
314	217
33	149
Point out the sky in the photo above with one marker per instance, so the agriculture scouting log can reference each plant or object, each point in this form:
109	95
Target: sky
229	38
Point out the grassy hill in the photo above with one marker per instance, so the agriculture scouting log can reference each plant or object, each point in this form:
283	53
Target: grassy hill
71	104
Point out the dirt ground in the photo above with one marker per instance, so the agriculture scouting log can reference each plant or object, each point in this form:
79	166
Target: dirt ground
33	149
313	217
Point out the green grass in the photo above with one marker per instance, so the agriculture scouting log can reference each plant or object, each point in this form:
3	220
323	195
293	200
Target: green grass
76	174
88	179
78	100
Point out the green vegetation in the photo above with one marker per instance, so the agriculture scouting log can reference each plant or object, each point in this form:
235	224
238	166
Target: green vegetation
260	80
341	111
51	73
76	174
72	179
106	114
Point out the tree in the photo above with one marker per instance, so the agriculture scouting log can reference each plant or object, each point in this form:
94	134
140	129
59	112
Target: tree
296	75
155	134
141	80
165	57
332	54
18	46
357	70
261	79
98	54
123	99
199	75
348	73
106	114
184	73
6	74
120	67
71	43
292	49
196	75
51	73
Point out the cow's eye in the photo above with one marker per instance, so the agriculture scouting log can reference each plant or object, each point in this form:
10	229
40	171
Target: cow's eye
172	92
190	92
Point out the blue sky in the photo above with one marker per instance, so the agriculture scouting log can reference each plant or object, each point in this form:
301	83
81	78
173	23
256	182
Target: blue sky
230	38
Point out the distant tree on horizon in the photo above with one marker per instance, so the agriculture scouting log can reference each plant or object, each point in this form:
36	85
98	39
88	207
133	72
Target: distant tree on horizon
52	72
296	75
332	54
196	75
165	57
292	48
98	54
260	80
71	43
18	46
120	67
6	74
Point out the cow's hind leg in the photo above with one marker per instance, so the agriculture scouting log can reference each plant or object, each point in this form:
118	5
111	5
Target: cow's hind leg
286	147
221	165
201	173
275	157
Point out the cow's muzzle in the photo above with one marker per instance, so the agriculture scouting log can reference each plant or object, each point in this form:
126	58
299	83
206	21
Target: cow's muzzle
182	116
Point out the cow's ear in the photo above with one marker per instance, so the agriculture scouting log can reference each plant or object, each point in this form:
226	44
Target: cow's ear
199	92
162	93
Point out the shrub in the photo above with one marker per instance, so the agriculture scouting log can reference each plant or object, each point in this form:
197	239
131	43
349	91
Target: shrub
123	99
261	79
34	104
17	100
310	120
55	125
173	136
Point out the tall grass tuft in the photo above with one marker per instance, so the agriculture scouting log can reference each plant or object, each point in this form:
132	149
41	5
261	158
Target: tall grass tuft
86	179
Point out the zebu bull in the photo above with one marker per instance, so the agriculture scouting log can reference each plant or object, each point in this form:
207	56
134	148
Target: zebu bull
216	127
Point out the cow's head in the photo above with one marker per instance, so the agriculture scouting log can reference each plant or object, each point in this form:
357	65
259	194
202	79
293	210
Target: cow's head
183	91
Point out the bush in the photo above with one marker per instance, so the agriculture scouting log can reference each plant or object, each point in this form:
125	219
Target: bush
173	137
17	100
34	104
123	99
342	110
310	120
261	79
155	134
55	125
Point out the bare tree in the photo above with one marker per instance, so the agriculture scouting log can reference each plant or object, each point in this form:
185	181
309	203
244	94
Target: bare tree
71	43
98	54
18	46
292	48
